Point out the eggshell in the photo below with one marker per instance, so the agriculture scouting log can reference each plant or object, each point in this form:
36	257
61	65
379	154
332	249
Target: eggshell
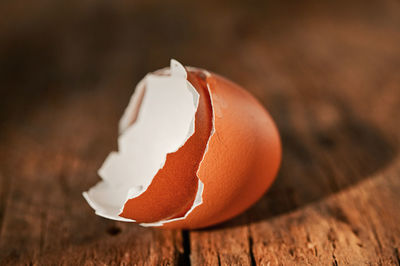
218	156
243	156
158	121
173	190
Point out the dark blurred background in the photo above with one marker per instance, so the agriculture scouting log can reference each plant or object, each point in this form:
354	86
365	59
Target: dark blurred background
328	71
54	49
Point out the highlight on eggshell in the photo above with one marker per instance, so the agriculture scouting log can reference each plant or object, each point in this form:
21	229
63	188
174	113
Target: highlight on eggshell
194	150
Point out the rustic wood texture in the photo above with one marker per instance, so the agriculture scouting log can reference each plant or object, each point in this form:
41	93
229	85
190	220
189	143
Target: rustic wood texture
328	72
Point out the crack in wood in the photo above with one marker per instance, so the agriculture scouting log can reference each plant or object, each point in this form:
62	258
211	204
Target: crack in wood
397	255
332	240
184	258
334	262
251	254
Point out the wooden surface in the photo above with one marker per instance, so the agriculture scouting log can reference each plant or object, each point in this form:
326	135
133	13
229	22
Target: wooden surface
328	72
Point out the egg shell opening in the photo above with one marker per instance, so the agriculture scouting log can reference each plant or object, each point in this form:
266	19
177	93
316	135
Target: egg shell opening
158	121
173	190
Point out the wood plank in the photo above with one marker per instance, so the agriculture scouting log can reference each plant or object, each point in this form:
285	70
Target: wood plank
327	72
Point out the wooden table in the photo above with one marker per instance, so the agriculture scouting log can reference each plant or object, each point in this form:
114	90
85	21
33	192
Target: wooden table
329	73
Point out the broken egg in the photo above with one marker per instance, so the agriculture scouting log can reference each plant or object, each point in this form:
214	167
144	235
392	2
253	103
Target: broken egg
194	149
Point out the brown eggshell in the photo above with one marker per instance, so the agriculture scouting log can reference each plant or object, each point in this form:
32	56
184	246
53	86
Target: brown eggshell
242	159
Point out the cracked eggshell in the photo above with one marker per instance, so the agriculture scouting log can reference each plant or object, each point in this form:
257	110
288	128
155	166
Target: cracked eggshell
242	159
219	153
158	122
173	189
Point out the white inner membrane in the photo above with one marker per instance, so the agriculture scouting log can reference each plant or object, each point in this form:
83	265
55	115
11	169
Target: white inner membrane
158	120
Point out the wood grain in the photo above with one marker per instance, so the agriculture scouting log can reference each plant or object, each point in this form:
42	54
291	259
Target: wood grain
328	73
